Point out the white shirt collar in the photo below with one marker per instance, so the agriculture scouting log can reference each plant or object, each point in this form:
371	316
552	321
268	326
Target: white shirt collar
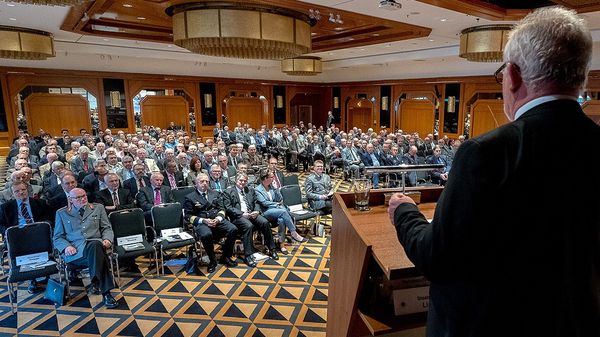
540	100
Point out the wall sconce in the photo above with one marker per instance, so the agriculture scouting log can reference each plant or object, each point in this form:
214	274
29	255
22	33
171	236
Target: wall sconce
336	102
451	104
384	103
115	99
279	101
207	101
336	19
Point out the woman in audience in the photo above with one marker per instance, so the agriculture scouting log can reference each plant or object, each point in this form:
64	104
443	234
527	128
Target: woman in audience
271	203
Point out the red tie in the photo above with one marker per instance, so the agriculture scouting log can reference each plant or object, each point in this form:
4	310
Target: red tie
277	182
157	199
85	166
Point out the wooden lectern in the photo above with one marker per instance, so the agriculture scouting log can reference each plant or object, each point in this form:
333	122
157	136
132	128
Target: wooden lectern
368	266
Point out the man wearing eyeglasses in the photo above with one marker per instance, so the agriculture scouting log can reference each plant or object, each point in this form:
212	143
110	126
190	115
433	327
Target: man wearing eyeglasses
82	232
507	253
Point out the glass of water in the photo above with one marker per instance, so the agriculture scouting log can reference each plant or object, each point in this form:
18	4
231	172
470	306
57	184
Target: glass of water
361	194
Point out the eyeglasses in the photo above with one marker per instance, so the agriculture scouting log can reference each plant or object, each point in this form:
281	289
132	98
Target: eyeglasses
499	73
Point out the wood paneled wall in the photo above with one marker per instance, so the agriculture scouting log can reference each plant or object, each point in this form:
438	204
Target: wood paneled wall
417	116
249	110
54	112
350	99
162	110
486	115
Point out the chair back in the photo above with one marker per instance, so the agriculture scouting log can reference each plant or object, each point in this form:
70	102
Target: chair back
180	193
291	180
128	222
167	216
29	239
291	195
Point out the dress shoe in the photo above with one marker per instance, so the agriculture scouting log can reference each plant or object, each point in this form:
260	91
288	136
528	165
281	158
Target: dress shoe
229	262
273	254
212	266
109	301
249	261
33	288
283	250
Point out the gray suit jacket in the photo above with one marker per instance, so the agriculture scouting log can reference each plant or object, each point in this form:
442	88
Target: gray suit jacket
70	229
315	187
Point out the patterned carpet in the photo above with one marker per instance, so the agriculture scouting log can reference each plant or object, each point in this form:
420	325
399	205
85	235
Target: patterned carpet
287	297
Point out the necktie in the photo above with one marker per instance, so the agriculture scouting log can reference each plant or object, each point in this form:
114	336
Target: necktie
203	195
157	199
353	155
81	211
25	213
245	196
218	185
115	198
140	183
172	181
85	165
277	182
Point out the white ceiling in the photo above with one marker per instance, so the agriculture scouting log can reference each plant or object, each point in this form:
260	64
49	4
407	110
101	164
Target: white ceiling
432	56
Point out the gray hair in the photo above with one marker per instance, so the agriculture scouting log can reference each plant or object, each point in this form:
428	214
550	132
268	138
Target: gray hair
551	45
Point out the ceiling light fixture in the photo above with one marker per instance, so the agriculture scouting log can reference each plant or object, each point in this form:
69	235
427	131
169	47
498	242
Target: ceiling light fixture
127	5
302	66
484	43
314	14
241	30
25	44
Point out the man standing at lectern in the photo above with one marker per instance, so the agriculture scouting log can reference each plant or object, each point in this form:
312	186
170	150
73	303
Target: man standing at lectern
506	253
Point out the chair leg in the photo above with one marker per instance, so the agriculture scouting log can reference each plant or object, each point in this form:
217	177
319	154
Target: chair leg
118	271
162	260
156	262
68	282
10	296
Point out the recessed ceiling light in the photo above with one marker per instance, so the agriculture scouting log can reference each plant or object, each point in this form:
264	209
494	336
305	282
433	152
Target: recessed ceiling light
329	53
444	20
104	39
362	49
127	5
141	18
10	5
375	34
415	13
170	45
431	40
12	19
313	34
388	45
338	28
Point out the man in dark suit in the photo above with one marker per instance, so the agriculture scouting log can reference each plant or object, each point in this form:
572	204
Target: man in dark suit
139	181
204	210
370	158
278	175
244	212
506	254
57	196
114	198
22	210
94	182
154	194
217	181
171	176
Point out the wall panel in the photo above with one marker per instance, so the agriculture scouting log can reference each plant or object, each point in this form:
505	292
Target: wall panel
54	112
417	116
162	110
486	115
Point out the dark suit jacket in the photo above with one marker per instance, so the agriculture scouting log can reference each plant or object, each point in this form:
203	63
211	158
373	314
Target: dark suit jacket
131	184
179	179
223	182
145	197
195	208
507	254
9	214
91	185
126	201
57	198
366	159
231	202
